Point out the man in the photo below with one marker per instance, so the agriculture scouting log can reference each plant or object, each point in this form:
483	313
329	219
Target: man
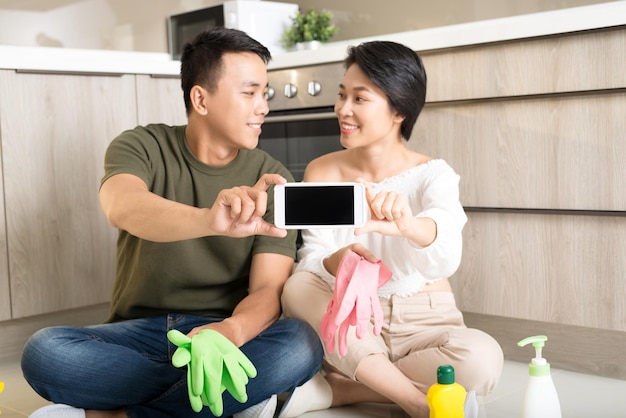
197	250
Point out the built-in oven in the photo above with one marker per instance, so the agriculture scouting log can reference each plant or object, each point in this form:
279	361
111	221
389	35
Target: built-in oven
301	124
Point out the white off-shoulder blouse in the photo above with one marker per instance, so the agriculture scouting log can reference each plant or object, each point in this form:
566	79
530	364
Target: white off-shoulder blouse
432	189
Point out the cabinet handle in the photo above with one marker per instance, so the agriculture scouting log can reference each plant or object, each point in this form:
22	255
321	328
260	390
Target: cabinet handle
542	211
164	75
64	72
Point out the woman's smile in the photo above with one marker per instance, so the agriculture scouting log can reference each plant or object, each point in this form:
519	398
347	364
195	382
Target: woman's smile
348	128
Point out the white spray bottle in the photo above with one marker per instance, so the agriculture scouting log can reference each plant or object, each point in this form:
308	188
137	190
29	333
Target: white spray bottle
540	399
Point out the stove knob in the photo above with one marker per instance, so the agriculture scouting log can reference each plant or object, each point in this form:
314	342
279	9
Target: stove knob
314	88
270	93
290	90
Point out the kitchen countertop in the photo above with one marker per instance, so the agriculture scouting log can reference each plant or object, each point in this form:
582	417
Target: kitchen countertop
576	19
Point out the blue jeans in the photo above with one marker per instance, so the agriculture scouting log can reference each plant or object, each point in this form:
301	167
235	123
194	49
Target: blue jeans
127	365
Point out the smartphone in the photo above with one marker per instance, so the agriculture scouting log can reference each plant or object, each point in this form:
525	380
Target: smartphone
320	205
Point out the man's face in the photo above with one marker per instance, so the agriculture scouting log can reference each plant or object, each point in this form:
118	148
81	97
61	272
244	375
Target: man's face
237	108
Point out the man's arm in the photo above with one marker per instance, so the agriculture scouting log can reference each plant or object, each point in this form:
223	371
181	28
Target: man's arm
129	205
261	307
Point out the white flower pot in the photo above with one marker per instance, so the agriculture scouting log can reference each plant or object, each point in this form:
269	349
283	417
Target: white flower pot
307	46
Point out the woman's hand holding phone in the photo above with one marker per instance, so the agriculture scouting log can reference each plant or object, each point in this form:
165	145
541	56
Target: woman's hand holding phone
390	213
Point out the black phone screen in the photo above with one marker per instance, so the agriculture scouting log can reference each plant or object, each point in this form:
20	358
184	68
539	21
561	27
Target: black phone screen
319	205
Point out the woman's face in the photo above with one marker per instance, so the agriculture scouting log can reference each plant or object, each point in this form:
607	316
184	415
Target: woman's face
364	114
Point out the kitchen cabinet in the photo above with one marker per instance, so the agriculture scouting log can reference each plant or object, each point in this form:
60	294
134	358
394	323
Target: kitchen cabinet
160	100
558	64
54	130
58	251
535	128
5	289
545	152
566	269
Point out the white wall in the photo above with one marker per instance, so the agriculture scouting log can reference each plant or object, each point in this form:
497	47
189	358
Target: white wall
140	25
127	25
363	18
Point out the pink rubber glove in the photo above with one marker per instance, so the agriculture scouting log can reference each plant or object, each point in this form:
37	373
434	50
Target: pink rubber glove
355	301
328	328
363	285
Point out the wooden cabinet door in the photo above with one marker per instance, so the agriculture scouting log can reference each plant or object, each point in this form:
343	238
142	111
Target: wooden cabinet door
5	290
55	129
563	269
548	152
160	100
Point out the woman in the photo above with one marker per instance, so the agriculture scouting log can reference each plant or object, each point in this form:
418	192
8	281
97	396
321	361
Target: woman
415	230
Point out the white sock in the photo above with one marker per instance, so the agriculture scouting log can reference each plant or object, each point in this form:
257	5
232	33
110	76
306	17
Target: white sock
58	411
264	409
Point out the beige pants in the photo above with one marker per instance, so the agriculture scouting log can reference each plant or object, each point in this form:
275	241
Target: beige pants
419	333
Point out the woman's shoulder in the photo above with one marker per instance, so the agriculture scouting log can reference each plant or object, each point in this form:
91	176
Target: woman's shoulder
428	169
326	167
330	158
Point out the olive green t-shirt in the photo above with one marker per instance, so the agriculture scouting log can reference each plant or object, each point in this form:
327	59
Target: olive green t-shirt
204	276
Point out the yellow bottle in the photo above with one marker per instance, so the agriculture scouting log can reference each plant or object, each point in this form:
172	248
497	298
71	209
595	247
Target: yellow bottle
446	398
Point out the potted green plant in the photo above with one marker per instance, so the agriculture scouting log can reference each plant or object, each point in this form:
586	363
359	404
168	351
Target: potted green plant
309	29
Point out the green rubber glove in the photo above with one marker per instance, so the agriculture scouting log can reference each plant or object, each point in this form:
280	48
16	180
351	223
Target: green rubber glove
218	365
214	365
182	358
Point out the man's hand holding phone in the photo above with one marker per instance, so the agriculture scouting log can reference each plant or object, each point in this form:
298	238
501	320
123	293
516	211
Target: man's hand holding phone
238	212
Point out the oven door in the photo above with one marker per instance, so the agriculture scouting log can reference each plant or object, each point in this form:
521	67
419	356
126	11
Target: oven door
296	139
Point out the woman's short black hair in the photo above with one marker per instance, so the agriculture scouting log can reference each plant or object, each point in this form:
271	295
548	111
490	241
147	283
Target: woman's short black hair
201	59
399	72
